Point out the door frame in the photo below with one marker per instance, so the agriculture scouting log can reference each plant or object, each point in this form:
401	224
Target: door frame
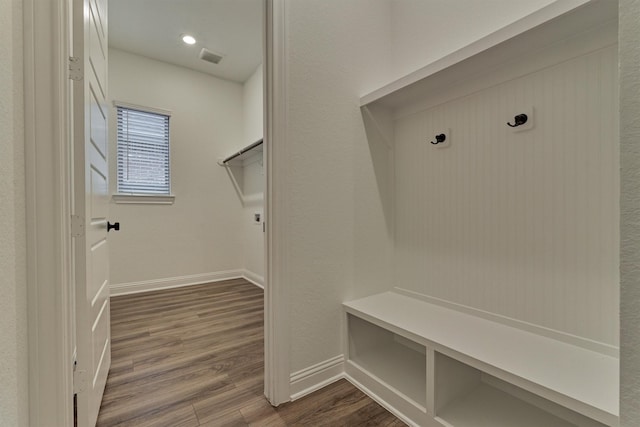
276	301
48	172
49	183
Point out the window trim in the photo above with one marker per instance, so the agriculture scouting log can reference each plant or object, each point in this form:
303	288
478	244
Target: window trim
142	198
142	108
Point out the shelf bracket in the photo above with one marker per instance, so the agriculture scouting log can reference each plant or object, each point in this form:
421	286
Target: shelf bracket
377	128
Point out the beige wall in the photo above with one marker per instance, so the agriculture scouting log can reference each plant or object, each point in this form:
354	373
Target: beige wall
630	212
253	178
337	51
13	304
253	107
200	233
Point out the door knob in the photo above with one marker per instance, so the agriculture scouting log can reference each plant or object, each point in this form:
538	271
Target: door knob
115	226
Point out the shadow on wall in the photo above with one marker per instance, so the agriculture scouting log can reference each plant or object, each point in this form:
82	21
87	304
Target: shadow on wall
379	128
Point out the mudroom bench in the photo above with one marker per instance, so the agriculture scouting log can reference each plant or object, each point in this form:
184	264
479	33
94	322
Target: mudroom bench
437	366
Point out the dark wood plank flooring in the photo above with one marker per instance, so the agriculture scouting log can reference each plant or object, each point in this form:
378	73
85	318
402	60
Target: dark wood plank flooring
194	357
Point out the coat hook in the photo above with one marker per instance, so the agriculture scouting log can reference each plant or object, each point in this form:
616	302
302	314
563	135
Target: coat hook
519	120
439	138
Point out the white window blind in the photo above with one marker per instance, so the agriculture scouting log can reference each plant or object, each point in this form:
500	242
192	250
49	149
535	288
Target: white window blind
143	152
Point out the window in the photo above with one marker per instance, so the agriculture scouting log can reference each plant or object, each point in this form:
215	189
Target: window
142	152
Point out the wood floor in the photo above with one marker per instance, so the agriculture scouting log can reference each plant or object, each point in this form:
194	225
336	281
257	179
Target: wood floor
194	357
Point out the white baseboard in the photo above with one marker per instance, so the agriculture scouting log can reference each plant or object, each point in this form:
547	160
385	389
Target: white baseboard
173	282
315	377
253	278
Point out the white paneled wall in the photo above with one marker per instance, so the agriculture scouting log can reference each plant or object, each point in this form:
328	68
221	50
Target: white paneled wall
519	224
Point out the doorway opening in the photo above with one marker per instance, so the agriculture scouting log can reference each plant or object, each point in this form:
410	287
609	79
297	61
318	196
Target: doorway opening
210	228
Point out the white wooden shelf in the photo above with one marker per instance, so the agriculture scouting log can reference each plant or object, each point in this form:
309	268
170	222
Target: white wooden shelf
486	406
576	378
558	21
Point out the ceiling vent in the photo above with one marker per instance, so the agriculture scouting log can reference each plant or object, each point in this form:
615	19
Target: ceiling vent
207	55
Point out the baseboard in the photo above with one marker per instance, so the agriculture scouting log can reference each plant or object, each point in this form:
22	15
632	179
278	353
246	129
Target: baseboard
315	377
253	278
173	282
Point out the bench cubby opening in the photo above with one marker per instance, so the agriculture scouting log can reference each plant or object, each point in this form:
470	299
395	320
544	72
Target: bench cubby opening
396	361
467	397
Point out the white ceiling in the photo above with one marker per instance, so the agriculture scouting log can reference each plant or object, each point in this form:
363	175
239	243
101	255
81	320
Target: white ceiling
152	28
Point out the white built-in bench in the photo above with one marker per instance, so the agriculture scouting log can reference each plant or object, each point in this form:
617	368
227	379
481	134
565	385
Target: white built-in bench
437	366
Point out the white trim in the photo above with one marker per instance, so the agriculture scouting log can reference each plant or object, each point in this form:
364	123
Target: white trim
173	282
48	211
585	343
382	402
315	377
253	200
144	199
254	278
276	351
142	108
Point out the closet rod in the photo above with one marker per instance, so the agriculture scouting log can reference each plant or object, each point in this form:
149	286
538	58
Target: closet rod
244	150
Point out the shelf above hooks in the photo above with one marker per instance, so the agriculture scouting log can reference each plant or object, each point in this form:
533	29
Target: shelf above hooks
558	21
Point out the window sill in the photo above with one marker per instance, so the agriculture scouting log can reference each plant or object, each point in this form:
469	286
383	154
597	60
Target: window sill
144	199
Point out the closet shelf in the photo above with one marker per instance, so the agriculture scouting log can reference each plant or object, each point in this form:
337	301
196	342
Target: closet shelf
558	21
243	154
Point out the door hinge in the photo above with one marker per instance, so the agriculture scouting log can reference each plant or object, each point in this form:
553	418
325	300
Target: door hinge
79	380
77	226
75	68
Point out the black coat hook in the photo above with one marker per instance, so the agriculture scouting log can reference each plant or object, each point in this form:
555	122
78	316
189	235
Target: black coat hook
439	138
519	120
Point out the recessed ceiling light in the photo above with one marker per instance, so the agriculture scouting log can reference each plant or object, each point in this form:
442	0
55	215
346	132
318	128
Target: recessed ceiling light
188	39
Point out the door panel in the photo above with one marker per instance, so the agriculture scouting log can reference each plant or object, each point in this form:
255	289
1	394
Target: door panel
101	8
98	125
99	202
97	56
91	203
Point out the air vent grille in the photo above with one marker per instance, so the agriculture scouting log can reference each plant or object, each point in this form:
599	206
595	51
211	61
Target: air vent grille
207	55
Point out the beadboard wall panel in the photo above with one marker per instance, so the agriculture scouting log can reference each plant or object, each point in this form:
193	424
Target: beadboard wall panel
518	224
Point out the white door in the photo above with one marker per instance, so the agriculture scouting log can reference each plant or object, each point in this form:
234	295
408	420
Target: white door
91	205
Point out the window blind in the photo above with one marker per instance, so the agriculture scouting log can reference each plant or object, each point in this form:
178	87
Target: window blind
143	152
